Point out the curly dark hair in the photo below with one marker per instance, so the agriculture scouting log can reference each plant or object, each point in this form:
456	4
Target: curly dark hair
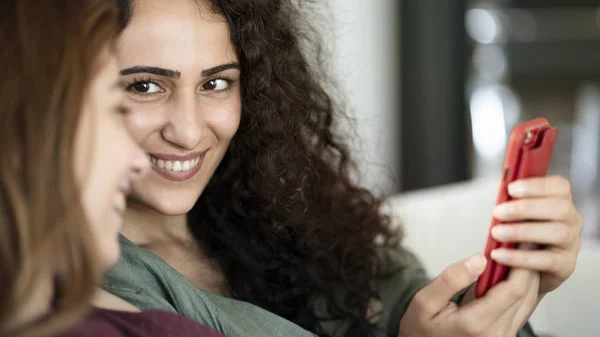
281	215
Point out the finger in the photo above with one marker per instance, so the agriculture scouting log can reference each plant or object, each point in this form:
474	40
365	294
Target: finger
474	325
557	234
544	260
519	281
511	320
503	297
523	309
578	221
490	309
550	186
555	209
449	310
434	297
529	303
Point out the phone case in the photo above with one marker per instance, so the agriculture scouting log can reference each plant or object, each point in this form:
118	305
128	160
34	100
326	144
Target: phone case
527	155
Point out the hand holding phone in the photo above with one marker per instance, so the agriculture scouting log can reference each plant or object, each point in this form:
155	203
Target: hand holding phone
528	155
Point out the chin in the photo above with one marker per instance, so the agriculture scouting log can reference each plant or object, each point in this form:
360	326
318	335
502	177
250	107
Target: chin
171	210
170	206
111	255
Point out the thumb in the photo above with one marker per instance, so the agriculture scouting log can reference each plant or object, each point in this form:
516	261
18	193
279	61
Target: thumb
434	297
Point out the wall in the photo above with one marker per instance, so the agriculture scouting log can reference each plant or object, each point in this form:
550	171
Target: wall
365	39
448	223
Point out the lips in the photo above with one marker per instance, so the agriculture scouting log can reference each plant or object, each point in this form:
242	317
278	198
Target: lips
120	202
177	168
176	165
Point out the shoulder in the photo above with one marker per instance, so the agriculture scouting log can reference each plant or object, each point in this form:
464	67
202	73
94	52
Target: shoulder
398	264
401	275
115	323
105	300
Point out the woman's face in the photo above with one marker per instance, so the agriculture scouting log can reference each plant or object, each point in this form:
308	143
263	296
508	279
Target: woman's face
183	91
107	159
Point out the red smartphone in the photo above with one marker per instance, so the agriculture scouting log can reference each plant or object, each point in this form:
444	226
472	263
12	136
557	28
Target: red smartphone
527	155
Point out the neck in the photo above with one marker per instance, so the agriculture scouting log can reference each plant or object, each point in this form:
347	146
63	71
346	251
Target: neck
144	225
37	304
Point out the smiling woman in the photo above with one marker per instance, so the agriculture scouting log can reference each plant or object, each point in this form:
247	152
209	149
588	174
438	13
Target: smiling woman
249	194
249	220
173	69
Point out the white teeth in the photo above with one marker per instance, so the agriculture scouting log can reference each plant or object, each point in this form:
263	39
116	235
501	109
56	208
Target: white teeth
176	166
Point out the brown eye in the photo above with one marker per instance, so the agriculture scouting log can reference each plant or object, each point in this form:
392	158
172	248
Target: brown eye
217	84
144	87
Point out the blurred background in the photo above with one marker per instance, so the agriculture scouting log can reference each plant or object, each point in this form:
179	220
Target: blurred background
435	87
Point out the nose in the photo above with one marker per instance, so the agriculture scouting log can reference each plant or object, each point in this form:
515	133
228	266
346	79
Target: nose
140	164
184	127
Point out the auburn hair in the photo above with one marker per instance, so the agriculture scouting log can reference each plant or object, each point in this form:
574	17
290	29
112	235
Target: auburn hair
50	53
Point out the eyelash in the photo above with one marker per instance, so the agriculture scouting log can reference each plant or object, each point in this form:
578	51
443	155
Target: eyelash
129	87
230	81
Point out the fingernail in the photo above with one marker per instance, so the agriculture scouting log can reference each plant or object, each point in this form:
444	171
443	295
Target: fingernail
501	210
501	232
517	188
499	255
475	264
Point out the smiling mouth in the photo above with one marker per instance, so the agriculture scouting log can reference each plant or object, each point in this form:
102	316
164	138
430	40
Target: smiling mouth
175	165
177	168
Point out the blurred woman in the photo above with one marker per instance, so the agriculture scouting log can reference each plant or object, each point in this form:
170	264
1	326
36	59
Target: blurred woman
67	165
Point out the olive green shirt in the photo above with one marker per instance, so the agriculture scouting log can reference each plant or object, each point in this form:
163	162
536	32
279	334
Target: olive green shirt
146	281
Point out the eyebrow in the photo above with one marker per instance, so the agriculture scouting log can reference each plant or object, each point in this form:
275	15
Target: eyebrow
215	70
151	70
177	74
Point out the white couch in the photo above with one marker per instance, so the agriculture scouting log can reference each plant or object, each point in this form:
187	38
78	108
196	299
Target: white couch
446	224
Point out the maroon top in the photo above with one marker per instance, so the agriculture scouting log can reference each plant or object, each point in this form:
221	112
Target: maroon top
110	323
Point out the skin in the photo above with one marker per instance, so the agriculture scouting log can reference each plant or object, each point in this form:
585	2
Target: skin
553	221
558	227
182	116
101	138
107	160
501	312
192	107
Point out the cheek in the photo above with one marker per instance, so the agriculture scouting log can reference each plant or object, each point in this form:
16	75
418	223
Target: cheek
142	121
93	197
85	164
108	160
225	121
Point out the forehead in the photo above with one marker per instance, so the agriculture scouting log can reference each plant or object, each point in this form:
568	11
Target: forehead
107	74
175	34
